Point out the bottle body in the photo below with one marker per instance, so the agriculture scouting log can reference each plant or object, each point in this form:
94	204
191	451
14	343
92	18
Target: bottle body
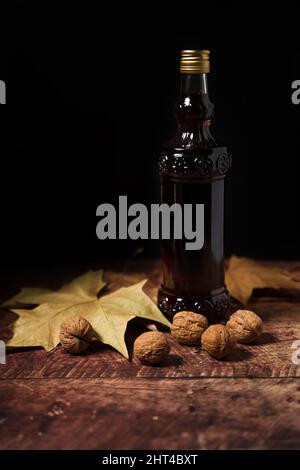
194	279
192	169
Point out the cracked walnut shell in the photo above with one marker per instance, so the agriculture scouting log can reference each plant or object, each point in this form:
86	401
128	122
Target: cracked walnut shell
187	327
151	347
76	334
245	325
217	341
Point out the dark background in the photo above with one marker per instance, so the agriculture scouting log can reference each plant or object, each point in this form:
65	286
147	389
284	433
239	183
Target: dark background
90	99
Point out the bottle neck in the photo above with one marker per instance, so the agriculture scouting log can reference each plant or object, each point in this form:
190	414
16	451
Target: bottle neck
194	111
193	84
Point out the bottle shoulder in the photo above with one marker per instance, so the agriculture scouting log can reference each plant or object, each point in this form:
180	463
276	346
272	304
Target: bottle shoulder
170	147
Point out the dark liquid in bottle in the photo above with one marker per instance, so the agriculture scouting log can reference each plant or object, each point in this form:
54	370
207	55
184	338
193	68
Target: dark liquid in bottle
192	168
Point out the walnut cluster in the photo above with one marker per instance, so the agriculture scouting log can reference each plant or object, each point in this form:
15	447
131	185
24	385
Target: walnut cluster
243	326
188	328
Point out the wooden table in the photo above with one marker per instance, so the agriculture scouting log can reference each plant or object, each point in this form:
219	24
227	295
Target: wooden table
101	401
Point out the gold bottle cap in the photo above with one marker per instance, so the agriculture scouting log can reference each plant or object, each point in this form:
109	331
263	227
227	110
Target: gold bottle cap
194	61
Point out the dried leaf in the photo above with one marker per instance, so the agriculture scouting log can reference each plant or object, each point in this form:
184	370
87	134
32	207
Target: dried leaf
244	274
82	289
108	316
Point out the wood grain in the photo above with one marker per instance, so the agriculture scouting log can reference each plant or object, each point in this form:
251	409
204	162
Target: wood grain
156	414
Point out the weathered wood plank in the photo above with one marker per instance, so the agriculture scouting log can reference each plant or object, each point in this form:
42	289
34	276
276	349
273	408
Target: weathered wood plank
150	414
270	357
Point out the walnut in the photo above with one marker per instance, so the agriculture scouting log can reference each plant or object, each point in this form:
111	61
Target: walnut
245	325
151	347
217	341
188	327
76	334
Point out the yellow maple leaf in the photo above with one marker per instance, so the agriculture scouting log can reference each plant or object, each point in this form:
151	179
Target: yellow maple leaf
245	274
108	315
81	289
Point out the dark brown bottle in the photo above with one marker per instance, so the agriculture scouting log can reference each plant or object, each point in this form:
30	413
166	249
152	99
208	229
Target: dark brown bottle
192	168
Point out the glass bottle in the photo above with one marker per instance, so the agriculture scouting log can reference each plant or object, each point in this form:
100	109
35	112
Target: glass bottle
192	169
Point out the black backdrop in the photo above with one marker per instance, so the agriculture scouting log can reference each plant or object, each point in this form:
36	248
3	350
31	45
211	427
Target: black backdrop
90	98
